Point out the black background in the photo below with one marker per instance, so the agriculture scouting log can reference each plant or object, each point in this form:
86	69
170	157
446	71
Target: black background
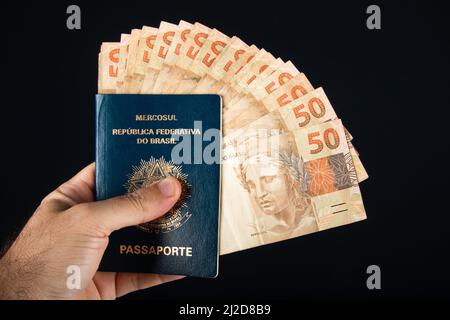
389	86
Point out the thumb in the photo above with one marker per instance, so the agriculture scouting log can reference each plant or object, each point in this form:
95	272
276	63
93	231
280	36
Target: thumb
141	206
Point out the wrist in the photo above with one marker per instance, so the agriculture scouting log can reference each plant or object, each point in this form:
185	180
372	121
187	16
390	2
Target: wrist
14	282
5	282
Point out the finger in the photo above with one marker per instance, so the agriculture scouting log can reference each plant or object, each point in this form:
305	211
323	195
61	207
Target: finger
130	282
78	189
141	206
105	283
111	284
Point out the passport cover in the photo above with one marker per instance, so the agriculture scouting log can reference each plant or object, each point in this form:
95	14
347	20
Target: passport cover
135	138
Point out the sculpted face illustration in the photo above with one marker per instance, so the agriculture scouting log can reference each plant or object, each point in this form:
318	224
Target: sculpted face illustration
268	185
273	184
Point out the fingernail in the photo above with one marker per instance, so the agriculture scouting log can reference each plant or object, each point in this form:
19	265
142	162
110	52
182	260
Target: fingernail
167	187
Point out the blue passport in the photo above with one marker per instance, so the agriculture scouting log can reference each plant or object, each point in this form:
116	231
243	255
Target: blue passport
141	139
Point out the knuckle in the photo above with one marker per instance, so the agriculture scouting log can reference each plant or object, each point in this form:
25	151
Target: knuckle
40	210
83	217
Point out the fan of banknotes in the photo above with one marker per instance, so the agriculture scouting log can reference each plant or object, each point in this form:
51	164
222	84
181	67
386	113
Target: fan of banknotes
289	167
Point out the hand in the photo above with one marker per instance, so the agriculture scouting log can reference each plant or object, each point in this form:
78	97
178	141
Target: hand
69	228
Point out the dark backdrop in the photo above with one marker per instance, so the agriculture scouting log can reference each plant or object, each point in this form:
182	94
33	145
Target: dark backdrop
389	86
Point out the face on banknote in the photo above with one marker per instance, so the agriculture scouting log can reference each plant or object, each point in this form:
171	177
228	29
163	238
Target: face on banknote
279	186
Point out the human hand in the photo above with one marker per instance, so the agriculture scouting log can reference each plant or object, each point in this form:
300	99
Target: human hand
69	228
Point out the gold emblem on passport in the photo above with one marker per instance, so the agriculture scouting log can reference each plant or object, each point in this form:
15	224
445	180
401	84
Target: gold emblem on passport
154	170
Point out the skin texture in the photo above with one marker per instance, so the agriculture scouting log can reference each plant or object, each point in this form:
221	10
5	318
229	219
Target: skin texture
69	228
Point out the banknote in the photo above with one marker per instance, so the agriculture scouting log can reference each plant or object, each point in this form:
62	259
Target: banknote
163	40
245	113
195	67
249	99
311	109
257	80
230	62
250	109
261	66
180	74
123	54
143	52
127	61
289	166
265	86
292	90
280	186
162	82
250	78
252	69
108	60
211	49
